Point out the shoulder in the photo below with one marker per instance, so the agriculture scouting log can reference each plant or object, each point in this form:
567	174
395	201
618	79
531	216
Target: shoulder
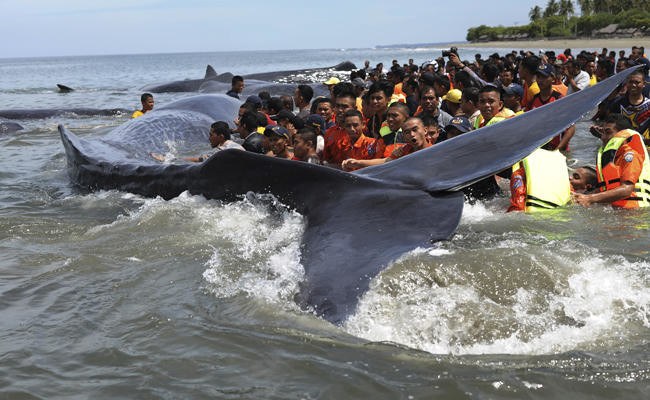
137	114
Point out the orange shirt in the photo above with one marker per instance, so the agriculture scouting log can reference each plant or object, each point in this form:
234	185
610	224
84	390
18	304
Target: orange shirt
562	88
629	163
366	148
398	89
408	149
518	190
388	150
337	145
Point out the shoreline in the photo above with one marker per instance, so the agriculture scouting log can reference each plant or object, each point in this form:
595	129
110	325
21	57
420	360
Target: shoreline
579	43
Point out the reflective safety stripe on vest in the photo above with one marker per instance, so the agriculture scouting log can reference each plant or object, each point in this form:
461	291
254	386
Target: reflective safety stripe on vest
505	113
547	180
609	175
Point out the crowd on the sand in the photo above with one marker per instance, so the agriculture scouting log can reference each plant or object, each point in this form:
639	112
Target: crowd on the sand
383	114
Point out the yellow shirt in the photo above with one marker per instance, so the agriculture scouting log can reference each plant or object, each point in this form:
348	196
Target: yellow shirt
529	93
593	80
137	114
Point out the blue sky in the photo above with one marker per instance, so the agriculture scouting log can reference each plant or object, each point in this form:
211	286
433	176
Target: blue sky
75	27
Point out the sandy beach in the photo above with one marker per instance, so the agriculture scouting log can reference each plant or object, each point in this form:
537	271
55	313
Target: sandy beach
596	44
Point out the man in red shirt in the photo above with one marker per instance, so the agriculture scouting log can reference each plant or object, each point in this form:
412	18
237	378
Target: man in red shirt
545	76
337	141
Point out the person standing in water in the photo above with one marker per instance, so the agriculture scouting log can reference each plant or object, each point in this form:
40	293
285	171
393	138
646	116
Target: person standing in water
147	105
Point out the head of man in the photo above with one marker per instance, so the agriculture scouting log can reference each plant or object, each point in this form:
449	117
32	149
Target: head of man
527	67
636	53
396	115
545	75
590	67
344	103
454	99
512	96
278	139
324	108
506	77
247	124
621	65
219	133
342	87
428	100
573	68
147	102
469	101
353	124
635	84
489	102
414	133
613	124
304	143
441	85
489	71
287	102
237	83
583	179
457	126
379	94
302	96
431	126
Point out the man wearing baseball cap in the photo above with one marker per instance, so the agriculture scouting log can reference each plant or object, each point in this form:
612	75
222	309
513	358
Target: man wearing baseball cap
276	140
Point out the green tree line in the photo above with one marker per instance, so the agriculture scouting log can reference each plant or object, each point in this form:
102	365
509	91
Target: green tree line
558	19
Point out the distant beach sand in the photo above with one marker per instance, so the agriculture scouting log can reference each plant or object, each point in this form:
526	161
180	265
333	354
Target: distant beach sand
597	44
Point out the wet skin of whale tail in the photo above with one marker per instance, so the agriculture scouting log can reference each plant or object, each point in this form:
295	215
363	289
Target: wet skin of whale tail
357	223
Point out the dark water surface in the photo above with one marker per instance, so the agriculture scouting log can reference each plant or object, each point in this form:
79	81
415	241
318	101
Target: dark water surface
110	295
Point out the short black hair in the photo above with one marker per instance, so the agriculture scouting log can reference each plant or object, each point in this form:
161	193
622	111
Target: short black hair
261	119
530	63
464	78
621	122
352	113
591	178
443	81
221	128
317	101
308	135
490	71
426	88
488	89
274	105
471	94
287	102
237	79
429	120
401	107
264	95
249	121
343	87
145	97
382	85
306	92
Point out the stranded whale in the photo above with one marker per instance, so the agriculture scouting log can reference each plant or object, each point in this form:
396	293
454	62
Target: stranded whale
41	113
8	126
187	85
357	223
221	83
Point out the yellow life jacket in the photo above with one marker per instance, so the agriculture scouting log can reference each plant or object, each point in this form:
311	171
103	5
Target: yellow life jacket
609	175
505	113
547	180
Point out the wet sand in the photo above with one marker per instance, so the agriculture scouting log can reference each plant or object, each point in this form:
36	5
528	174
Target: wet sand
596	44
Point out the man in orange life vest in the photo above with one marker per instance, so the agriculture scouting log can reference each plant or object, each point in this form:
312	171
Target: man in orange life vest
414	136
623	172
544	76
337	141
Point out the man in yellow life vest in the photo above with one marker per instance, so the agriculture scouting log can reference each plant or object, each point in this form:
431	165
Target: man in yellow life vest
147	105
491	107
623	167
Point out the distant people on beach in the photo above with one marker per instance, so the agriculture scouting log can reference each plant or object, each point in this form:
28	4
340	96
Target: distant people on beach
147	105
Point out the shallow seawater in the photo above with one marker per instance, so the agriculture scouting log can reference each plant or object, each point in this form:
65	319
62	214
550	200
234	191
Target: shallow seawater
109	294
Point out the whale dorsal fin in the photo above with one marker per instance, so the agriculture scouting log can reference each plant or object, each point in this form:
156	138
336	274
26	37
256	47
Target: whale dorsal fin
210	72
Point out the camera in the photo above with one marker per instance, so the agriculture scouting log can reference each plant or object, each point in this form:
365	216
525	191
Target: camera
447	53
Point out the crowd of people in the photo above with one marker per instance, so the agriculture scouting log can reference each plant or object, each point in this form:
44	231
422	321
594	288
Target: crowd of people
381	115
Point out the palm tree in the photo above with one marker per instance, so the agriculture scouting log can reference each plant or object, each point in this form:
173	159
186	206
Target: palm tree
566	8
535	13
552	8
586	7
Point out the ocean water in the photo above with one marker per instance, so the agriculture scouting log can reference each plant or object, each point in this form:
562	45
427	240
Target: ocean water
111	295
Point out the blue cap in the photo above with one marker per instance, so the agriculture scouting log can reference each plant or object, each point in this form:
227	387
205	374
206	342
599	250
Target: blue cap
461	123
276	130
317	122
545	69
255	99
514	89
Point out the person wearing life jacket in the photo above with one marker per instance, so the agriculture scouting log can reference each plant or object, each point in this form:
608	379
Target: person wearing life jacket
623	167
491	107
544	76
377	97
362	147
391	129
527	68
414	136
337	141
540	182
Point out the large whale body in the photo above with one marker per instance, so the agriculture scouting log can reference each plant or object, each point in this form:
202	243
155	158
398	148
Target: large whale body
221	82
357	223
41	113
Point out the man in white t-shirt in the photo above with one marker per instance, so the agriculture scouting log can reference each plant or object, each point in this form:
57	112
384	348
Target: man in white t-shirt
575	78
